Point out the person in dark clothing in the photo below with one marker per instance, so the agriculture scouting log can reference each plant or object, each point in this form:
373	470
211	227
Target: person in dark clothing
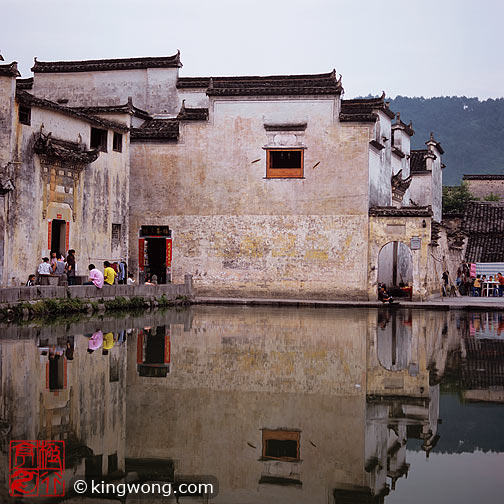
70	267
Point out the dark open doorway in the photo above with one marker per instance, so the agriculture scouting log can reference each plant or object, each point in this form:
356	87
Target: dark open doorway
58	234
156	254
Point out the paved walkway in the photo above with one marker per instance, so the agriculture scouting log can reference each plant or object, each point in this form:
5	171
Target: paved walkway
447	303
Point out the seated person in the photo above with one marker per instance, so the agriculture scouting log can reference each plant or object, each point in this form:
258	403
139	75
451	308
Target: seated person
95	277
383	295
108	273
477	286
44	267
31	281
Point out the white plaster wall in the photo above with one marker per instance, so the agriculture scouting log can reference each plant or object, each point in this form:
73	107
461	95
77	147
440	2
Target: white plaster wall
194	97
238	232
380	166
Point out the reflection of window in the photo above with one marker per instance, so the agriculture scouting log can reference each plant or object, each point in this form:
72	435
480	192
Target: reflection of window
280	444
284	163
99	139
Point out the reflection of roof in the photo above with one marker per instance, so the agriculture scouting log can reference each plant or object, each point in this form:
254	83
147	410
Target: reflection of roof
314	84
359	495
423	211
156	130
484	225
107	64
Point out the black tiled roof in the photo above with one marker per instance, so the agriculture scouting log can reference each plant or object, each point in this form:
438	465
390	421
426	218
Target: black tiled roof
364	109
417	160
484	225
315	84
484	217
114	109
9	70
24	83
107	64
156	130
483	177
192	114
28	99
420	211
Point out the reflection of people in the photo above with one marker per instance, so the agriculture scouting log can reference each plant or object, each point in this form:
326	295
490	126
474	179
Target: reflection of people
95	341
108	342
95	277
69	352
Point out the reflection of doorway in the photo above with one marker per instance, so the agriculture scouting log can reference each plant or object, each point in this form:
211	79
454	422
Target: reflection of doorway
395	265
58	235
156	257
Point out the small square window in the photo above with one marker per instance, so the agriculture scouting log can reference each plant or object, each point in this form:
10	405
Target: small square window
99	139
284	163
280	444
24	115
117	143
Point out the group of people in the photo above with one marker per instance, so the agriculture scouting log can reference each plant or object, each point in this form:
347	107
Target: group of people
469	283
56	266
495	288
108	277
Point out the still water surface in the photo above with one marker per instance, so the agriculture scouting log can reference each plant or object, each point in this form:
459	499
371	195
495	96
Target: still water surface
279	405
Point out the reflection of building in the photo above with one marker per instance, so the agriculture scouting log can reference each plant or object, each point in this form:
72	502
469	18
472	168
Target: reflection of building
78	400
153	351
286	404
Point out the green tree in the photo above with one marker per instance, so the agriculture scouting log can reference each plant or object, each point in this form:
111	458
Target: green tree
455	198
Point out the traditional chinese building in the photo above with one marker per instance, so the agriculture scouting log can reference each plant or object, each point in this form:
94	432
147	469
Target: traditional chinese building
257	186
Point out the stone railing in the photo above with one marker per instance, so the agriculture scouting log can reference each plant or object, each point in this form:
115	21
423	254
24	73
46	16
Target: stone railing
13	295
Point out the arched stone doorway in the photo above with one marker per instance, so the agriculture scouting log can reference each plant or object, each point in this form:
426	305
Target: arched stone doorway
395	265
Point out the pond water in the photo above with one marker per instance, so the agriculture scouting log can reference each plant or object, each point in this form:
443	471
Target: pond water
268	404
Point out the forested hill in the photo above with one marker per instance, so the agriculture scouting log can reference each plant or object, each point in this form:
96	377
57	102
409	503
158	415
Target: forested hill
470	131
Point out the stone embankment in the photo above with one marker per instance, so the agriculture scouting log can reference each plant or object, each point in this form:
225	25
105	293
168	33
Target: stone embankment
41	300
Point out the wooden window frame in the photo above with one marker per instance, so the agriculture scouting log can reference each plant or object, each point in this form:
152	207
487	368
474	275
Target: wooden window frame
117	142
24	114
284	172
281	435
103	146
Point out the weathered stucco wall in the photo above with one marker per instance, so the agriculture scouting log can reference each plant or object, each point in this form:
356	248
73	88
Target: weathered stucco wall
380	164
482	188
102	199
231	376
238	232
383	230
151	89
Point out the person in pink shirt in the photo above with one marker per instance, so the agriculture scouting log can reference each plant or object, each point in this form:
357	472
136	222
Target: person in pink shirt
95	277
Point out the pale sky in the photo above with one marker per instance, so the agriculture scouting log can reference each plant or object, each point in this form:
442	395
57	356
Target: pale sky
409	47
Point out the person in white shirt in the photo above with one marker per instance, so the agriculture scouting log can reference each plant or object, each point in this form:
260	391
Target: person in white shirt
130	280
44	267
